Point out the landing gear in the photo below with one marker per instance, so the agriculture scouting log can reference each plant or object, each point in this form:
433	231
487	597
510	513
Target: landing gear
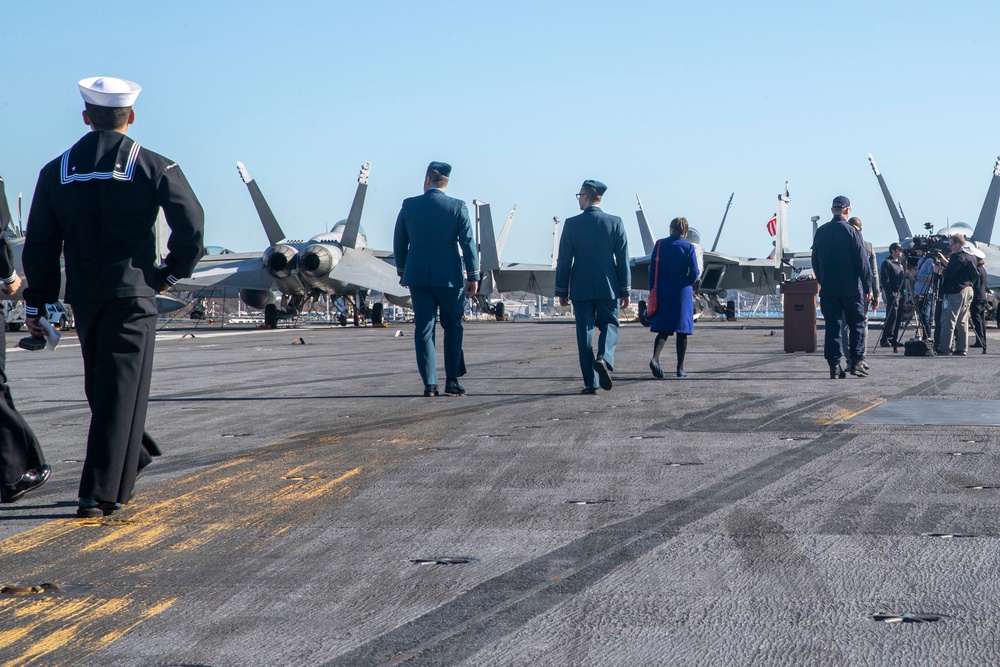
496	310
377	311
270	316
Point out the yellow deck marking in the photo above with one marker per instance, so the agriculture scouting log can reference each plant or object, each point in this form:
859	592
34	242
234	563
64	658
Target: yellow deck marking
49	629
843	415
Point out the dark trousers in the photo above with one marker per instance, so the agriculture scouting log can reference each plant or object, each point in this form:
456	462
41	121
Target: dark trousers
978	316
116	338
837	310
19	448
890	327
427	303
601	314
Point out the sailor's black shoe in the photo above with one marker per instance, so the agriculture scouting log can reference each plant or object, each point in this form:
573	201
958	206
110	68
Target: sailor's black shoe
430	390
95	509
29	481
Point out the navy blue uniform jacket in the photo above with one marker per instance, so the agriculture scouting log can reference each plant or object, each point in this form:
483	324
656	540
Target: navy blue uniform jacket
429	231
593	257
98	204
840	260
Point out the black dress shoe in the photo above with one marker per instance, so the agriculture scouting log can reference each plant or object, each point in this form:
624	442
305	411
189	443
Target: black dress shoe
837	372
30	480
430	390
95	509
453	388
589	391
603	376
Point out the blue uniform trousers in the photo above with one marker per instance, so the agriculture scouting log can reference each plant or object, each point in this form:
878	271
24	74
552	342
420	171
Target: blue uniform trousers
427	302
836	310
603	314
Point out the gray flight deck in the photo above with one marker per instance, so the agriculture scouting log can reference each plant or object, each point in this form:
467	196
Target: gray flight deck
312	509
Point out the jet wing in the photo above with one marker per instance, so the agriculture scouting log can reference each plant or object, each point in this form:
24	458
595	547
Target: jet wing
238	270
518	277
367	271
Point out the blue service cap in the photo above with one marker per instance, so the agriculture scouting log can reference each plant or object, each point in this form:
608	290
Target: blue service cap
840	201
597	185
442	168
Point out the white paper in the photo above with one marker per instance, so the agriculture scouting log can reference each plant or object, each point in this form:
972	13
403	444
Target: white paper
51	335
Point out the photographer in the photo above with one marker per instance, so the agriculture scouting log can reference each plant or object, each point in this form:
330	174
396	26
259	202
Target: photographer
957	280
891	276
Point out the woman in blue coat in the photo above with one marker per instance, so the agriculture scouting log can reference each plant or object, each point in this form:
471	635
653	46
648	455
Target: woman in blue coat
674	266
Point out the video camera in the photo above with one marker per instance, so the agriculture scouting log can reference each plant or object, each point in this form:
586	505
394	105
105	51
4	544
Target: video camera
929	244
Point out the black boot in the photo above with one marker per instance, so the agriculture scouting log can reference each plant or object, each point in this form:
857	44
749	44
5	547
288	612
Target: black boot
836	372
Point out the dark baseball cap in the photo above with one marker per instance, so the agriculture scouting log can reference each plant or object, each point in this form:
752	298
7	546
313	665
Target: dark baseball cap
840	201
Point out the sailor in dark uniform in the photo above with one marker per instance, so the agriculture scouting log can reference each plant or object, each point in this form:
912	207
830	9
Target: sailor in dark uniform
22	465
592	271
430	229
97	204
840	261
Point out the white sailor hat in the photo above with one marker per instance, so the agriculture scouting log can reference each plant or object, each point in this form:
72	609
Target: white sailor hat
107	91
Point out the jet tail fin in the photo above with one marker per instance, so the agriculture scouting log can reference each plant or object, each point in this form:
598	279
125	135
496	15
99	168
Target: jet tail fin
556	234
271	226
781	248
648	241
350	236
988	216
489	259
5	218
502	239
902	227
723	223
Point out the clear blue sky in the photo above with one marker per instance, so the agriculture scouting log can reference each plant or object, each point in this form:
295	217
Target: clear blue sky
679	102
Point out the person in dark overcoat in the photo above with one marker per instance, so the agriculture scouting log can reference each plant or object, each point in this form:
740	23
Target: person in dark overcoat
22	464
674	267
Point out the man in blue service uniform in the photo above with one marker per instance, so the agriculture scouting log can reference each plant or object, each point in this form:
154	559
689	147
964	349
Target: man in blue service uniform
592	272
840	261
97	204
429	231
22	464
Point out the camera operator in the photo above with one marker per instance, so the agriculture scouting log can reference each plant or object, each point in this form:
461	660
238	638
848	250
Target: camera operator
921	289
891	276
957	281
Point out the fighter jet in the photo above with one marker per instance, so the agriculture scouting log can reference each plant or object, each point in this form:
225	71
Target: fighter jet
721	273
982	235
335	264
508	276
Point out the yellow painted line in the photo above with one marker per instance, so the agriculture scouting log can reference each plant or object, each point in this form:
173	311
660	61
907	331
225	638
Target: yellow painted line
191	516
50	625
841	416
